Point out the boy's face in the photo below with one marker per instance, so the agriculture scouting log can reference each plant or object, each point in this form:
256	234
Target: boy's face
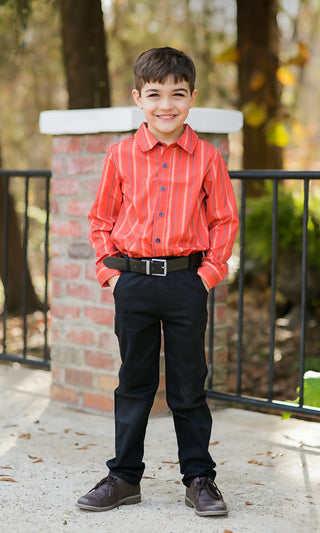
166	107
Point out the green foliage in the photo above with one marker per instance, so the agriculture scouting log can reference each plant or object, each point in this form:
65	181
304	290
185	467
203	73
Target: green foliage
290	216
311	391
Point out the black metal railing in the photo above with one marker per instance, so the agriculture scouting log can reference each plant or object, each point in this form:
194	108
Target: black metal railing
238	397
18	349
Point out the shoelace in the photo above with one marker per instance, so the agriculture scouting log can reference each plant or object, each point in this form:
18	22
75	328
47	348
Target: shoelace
208	484
109	480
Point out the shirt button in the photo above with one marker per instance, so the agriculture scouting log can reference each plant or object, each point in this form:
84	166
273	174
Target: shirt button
163	188
161	214
157	240
164	165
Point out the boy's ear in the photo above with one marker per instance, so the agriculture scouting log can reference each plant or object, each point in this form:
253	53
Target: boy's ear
137	98
193	97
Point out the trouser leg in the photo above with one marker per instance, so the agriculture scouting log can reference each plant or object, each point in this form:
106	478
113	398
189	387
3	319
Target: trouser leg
138	330
186	370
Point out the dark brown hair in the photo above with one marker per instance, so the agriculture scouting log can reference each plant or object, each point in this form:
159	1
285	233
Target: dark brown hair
157	64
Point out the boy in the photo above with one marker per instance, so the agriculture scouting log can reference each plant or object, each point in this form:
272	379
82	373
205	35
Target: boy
163	225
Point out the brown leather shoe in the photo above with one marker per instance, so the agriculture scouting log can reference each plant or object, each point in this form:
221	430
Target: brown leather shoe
204	495
110	492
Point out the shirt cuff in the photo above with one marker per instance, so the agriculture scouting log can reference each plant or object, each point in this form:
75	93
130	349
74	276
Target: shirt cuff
212	274
104	274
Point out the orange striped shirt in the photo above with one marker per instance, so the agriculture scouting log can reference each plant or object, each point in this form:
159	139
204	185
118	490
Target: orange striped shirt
159	200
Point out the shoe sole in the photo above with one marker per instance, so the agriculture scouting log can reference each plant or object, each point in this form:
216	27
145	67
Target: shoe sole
218	512
130	500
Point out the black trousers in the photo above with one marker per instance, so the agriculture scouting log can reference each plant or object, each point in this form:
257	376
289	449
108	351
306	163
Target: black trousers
143	303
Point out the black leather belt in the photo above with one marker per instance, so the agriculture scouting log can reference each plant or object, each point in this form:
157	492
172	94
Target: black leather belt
154	266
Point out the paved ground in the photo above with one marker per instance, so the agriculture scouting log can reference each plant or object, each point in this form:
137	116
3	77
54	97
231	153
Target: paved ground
268	469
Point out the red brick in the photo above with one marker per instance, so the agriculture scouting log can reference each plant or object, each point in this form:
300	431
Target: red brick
221	292
221	357
91	272
64	311
67	144
56	372
99	360
220	314
92	186
108	342
98	401
80	290
57	165
106	295
79	378
79	208
223	146
70	228
81	165
54	208
64	270
99	315
65	186
82	336
100	143
64	394
56	287
55	332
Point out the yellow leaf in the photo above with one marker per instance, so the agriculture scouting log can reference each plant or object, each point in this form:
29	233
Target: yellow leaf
285	76
257	80
249	503
38	461
8	479
230	55
277	134
254	114
32	457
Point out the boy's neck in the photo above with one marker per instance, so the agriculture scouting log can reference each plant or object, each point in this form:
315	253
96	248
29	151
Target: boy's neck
166	138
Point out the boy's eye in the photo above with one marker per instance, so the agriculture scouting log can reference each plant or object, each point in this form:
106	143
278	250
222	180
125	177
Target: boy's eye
151	95
179	94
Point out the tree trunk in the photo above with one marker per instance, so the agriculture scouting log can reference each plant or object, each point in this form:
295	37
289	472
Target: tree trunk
15	263
258	46
84	47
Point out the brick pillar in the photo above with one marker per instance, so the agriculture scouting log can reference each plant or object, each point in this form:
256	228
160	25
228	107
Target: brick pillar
84	351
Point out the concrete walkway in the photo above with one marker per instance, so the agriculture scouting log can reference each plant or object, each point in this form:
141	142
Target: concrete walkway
268	469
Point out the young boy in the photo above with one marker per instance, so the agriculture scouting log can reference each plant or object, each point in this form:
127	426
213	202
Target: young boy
163	225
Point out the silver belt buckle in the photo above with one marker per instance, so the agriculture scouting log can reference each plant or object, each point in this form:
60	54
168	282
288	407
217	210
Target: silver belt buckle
165	268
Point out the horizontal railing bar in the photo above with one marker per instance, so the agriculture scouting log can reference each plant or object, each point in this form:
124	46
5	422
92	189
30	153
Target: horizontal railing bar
274	174
25	360
23	173
256	402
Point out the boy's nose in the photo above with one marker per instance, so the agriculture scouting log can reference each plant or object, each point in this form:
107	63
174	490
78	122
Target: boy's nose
165	103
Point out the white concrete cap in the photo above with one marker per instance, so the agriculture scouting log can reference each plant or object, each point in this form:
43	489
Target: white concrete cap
121	119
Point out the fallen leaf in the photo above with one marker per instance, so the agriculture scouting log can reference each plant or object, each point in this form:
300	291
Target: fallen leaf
38	460
303	464
260	453
7	467
8	479
77	433
10	426
32	457
253	462
228	531
26	436
178	482
271	454
249	503
214	443
147	477
309	496
85	447
256	483
170	462
66	430
270	466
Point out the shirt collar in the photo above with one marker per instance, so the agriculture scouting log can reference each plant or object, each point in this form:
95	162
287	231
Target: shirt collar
147	141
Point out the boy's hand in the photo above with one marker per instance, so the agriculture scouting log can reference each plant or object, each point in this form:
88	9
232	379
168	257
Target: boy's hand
113	282
206	286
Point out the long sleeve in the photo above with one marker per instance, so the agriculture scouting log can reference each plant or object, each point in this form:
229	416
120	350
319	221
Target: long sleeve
102	218
223	222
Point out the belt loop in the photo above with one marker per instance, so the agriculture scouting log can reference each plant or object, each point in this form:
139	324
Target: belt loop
128	264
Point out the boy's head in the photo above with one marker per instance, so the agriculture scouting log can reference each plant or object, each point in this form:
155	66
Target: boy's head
159	64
